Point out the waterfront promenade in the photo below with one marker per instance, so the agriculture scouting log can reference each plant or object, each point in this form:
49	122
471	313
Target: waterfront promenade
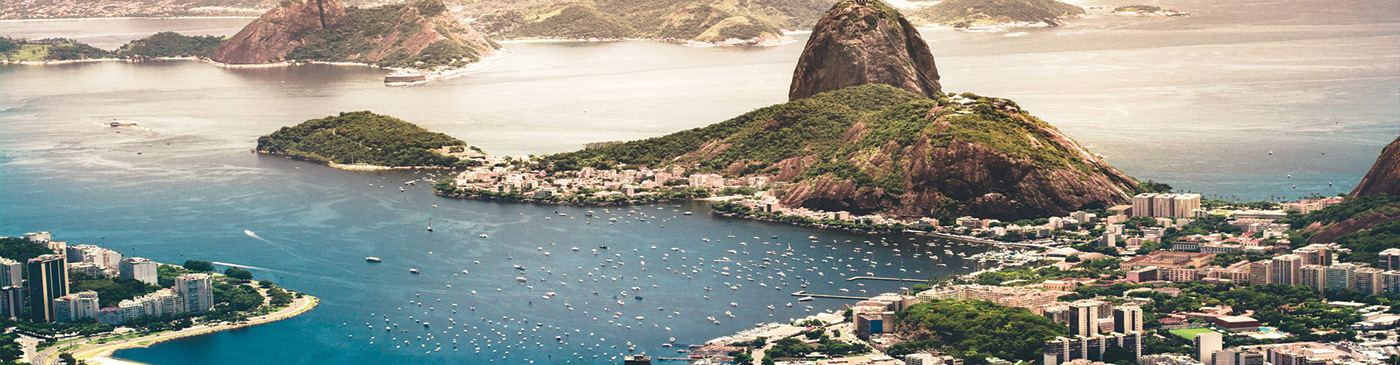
85	349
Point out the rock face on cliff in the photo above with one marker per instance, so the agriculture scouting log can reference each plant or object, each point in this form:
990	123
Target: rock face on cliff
878	149
278	31
862	42
422	34
1384	177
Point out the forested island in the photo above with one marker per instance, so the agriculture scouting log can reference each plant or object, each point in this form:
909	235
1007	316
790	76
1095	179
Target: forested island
367	140
159	45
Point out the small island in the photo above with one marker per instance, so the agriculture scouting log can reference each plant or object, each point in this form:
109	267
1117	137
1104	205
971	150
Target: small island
1146	10
368	141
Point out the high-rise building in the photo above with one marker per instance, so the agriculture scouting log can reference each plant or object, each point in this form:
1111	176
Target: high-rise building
11	273
1313	276
48	280
85	305
1260	272
75	307
1084	318
196	292
1367	280
1184	204
1339	276
1389	282
1389	259
1315	254
12	302
1163	205
1127	319
1285	269
1064	349
1207	344
139	269
1142	205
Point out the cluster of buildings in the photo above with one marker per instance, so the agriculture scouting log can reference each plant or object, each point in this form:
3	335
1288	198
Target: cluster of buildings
1094	328
1167	206
1313	267
495	178
45	296
35	9
1210	351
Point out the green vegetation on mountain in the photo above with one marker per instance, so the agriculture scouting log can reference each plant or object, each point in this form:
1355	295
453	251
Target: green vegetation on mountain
886	141
170	44
363	138
759	138
973	330
966	13
703	20
49	49
1365	226
384	31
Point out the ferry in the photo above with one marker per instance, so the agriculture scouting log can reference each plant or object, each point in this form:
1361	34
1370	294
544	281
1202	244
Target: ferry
405	78
372	259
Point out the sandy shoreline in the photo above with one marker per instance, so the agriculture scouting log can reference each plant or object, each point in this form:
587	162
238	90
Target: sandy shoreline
102	353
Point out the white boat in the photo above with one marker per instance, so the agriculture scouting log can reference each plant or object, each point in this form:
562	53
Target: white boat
806	299
405	78
372	259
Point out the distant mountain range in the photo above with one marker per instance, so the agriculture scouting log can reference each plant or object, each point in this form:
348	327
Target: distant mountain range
971	13
747	21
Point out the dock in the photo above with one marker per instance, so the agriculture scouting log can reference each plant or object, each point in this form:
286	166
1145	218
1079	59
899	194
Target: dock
854	278
803	293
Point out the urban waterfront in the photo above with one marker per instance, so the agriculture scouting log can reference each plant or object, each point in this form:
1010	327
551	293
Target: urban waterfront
1201	115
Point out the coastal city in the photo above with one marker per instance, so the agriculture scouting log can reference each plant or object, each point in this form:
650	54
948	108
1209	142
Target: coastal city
707	182
69	302
1155	281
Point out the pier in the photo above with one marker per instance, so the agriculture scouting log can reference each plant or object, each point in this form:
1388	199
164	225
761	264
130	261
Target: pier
803	293
854	278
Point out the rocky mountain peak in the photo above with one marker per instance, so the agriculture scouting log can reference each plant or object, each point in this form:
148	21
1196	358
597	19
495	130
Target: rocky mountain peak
862	42
277	32
1384	177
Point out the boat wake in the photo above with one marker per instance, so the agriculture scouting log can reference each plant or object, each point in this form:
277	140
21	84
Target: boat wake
284	248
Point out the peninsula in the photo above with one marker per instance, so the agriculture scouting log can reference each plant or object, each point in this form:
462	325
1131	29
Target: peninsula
84	301
894	144
368	141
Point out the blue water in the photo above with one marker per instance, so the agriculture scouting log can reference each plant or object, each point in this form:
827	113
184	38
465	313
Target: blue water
1196	102
315	225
